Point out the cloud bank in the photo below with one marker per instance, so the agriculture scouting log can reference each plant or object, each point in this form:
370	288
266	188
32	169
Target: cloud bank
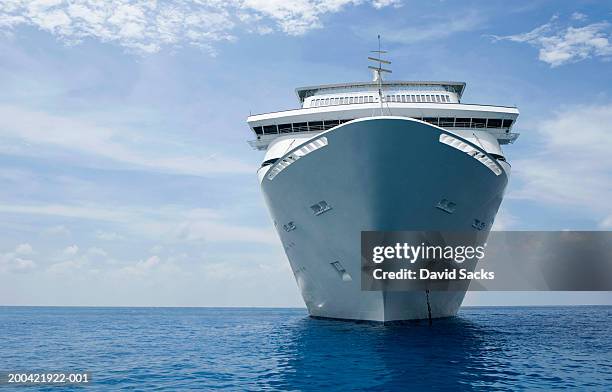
24	132
573	166
560	44
146	26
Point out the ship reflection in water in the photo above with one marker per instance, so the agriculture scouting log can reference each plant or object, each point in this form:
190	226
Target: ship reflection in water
451	353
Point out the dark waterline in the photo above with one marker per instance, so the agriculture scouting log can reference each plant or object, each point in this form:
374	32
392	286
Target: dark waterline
488	348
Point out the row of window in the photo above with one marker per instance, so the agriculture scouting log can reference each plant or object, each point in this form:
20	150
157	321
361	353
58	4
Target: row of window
445	122
435	98
341	101
432	98
311	126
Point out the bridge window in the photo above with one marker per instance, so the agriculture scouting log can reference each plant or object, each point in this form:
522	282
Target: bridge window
479	122
370	99
494	123
258	130
316	125
300	127
352	100
330	124
462	122
507	123
447	121
270	129
360	99
284	128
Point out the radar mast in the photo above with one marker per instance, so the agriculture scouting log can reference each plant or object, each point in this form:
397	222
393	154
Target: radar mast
378	71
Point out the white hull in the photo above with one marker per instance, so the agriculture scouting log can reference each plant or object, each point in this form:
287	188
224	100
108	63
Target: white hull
377	173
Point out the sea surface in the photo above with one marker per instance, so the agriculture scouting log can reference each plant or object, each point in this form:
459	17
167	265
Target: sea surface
178	349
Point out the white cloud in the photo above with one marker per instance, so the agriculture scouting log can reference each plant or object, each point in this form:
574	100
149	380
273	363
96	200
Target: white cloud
171	223
59	230
430	30
72	134
147	26
151	264
573	165
71	250
504	221
559	45
96	252
378	4
66	266
579	16
69	211
108	236
606	223
24	249
16	261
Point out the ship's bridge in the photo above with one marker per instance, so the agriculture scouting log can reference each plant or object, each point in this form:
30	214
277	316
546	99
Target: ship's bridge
439	103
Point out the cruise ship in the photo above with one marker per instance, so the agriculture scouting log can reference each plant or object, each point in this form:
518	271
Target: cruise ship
378	156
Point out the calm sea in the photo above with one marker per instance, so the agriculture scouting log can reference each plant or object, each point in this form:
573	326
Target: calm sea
177	349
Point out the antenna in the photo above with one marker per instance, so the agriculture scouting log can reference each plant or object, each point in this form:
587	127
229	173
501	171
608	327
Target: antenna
378	71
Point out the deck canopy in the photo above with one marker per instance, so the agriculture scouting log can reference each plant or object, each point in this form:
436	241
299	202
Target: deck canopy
305	92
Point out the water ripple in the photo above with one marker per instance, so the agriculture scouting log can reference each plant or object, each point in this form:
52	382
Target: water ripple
163	349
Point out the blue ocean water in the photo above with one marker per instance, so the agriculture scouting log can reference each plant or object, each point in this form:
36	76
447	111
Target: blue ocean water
491	348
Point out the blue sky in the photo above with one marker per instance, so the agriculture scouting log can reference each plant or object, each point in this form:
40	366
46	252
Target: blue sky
125	177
